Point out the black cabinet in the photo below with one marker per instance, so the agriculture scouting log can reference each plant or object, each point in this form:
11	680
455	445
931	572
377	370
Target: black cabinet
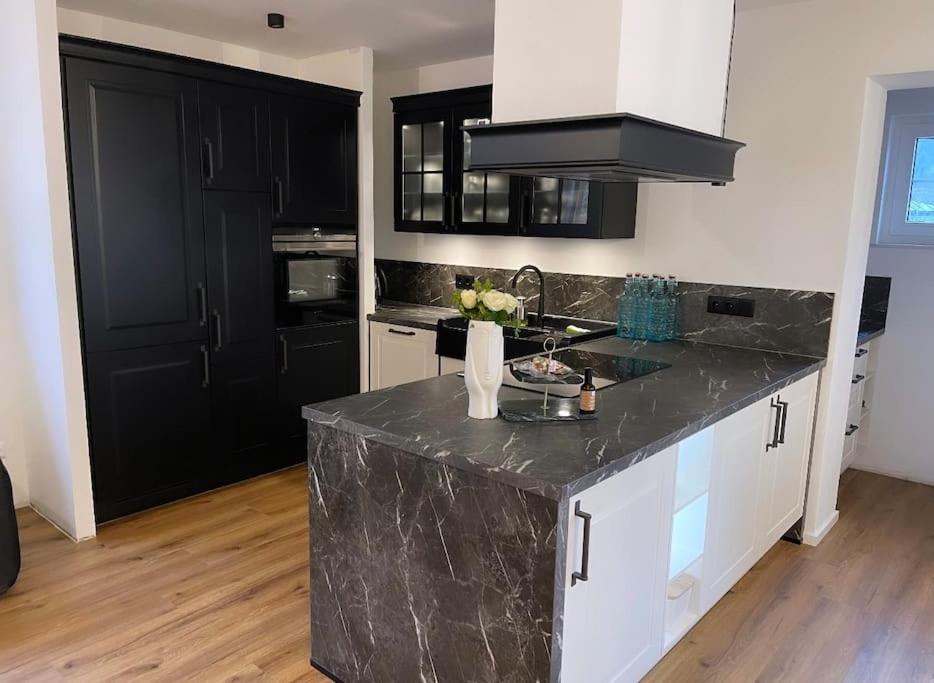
238	235
561	207
234	137
135	173
434	191
314	162
151	426
315	364
171	165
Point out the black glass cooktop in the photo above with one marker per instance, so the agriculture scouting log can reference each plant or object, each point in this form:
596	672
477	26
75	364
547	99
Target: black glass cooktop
607	371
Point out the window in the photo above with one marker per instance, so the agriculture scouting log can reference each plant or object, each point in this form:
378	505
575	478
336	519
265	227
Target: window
905	198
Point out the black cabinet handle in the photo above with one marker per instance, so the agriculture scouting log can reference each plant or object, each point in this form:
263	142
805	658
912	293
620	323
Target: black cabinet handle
407	333
203	305
858	378
205	366
525	211
454	210
851	430
861	352
784	406
217	330
585	551
278	199
285	355
208	160
775	431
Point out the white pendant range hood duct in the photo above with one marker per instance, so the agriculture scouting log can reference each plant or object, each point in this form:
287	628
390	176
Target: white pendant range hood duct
610	90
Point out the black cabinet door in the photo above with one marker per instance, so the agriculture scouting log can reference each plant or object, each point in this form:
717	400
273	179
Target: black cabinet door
150	421
423	166
234	137
315	364
238	234
135	169
314	162
483	203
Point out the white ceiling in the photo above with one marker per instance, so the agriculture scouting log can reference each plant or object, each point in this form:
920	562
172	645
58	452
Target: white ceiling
401	32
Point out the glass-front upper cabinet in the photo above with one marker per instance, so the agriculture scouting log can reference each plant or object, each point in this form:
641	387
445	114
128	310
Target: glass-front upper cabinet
436	192
563	207
485	203
422	161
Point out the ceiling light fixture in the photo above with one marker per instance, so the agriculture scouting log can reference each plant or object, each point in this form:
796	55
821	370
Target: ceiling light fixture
275	20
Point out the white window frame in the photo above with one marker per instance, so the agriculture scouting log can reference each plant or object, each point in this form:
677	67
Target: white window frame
909	115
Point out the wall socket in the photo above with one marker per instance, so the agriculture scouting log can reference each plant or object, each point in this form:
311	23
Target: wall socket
731	305
462	281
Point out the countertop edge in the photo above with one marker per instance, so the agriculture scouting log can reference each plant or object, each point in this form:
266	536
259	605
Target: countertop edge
554	492
866	337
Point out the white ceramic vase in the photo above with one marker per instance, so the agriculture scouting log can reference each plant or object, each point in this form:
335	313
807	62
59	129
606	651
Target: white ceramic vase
483	368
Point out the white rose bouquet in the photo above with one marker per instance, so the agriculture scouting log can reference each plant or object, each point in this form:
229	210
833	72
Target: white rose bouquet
483	302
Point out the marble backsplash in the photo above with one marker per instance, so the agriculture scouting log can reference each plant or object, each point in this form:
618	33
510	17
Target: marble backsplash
790	321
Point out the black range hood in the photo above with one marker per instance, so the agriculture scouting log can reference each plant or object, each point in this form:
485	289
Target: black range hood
620	148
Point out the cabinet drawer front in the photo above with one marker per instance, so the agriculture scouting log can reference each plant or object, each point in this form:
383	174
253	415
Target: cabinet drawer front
400	354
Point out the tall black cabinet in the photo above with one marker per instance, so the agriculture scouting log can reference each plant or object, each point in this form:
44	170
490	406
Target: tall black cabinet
179	170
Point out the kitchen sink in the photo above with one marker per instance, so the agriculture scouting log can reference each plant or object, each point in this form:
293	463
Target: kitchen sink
451	340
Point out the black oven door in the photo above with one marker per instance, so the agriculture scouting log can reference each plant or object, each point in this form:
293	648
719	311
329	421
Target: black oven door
315	288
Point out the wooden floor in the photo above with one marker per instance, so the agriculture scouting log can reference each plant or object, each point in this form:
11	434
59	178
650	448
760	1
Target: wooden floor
216	588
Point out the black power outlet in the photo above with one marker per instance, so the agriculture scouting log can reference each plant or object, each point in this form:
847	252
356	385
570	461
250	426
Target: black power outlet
462	281
731	305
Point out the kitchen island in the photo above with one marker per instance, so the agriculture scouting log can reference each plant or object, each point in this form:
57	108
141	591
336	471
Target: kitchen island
445	548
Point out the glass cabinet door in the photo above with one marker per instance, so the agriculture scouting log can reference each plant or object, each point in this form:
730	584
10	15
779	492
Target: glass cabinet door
559	201
485	203
422	158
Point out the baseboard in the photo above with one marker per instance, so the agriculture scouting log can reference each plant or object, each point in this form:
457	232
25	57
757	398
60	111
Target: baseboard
893	474
816	538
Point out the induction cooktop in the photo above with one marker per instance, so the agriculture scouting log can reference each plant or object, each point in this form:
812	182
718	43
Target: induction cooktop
608	370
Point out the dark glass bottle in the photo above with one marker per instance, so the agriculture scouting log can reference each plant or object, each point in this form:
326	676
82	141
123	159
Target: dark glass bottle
588	400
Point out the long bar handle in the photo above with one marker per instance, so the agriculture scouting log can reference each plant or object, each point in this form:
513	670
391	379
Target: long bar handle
784	406
775	431
582	575
407	333
279	200
208	160
218	342
285	354
205	366
202	304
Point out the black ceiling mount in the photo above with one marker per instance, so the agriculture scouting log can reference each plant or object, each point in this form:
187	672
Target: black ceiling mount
275	20
609	148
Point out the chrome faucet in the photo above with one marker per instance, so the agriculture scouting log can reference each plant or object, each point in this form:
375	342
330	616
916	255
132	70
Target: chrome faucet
541	289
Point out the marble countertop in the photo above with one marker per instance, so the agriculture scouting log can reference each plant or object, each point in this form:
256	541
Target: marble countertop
636	419
411	315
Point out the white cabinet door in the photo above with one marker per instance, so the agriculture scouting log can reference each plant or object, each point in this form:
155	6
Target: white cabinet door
732	530
450	365
786	467
400	354
614	621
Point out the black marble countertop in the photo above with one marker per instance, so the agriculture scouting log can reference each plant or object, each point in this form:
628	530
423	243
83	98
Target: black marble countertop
867	334
636	419
411	315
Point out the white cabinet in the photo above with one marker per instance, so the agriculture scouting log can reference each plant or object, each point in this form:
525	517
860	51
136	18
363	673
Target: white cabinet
785	467
732	532
400	354
614	620
759	476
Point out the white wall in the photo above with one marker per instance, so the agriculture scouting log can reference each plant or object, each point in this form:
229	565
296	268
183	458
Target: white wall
899	434
803	97
42	299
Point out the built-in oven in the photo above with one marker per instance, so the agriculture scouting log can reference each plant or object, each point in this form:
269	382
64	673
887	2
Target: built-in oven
316	277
